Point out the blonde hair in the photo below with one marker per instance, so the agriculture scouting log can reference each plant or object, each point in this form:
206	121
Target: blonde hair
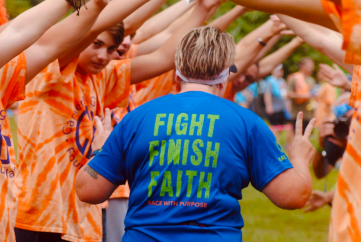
205	52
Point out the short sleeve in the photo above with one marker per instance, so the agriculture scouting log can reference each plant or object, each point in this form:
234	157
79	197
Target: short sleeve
13	76
267	157
117	88
110	161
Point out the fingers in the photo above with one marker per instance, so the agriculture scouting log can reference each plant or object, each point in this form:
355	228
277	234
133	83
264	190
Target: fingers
99	125
108	120
287	32
336	67
308	130
299	124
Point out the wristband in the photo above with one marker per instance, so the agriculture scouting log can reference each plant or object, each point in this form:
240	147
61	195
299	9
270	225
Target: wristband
261	42
95	152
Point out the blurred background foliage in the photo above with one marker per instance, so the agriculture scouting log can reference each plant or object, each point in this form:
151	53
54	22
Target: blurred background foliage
241	27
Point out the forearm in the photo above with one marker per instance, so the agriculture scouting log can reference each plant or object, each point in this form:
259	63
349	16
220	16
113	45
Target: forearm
158	40
267	48
161	21
268	101
225	20
322	39
163	58
136	19
267	64
305	10
61	37
29	26
249	47
114	13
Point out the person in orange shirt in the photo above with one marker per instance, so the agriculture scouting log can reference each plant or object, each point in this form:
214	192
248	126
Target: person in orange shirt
65	97
12	90
19	71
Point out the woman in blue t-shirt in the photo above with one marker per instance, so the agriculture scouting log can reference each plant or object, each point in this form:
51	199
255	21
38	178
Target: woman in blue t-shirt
188	156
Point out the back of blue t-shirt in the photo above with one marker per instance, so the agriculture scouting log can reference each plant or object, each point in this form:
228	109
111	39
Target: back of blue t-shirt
187	158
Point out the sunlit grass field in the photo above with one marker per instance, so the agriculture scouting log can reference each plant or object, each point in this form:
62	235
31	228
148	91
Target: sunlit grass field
265	222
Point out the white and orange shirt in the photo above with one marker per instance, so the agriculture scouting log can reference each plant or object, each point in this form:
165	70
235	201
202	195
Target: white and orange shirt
346	208
55	133
12	89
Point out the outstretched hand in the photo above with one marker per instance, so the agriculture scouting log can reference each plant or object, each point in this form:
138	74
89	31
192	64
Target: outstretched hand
335	76
278	25
103	131
317	200
301	147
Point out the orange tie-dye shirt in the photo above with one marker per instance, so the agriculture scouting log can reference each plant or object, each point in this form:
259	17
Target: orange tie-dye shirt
347	18
346	209
12	89
55	133
154	88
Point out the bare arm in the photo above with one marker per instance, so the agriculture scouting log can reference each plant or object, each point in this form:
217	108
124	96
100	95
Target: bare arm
113	14
90	186
136	19
61	37
24	30
305	10
322	39
155	42
225	20
267	64
292	188
268	103
248	48
161	21
267	48
147	66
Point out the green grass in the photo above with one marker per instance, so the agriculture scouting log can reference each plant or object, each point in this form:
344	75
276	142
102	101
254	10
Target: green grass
266	222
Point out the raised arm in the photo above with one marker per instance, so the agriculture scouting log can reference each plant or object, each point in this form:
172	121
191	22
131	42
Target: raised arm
161	21
147	66
322	39
136	19
225	20
249	47
306	10
272	42
114	13
27	28
155	42
267	64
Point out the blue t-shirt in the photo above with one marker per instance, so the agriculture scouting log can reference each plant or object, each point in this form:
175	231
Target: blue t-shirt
187	158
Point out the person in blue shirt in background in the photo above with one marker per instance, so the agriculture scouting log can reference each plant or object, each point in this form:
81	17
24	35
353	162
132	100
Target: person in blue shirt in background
188	156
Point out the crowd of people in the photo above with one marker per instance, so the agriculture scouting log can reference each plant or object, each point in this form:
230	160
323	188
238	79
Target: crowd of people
139	125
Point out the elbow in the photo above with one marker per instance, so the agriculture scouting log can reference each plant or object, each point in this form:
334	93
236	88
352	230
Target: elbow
83	192
297	198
